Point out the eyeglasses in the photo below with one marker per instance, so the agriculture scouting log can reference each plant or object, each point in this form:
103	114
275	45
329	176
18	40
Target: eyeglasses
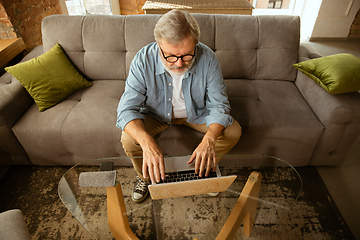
184	58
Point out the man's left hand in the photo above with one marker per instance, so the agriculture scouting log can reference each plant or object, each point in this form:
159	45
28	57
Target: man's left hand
204	155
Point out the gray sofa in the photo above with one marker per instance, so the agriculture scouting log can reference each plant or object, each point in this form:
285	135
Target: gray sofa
283	113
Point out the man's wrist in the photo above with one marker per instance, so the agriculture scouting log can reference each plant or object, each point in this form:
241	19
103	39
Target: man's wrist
145	139
210	138
213	132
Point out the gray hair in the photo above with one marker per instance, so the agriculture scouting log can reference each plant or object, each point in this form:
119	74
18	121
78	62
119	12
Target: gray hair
175	26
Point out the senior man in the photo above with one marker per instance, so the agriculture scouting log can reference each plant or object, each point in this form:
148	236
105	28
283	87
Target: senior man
175	80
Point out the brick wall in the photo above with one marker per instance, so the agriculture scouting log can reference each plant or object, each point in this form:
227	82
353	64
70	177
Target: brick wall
131	7
6	28
355	27
26	17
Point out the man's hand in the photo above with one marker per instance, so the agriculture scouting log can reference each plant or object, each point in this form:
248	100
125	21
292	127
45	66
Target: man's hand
153	160
205	155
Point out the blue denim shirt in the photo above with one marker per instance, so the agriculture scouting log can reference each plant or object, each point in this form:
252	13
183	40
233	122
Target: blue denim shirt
148	89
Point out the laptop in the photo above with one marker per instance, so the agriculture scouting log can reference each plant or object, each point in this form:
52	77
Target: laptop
181	180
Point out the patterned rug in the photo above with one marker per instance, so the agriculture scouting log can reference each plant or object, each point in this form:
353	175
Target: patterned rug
33	190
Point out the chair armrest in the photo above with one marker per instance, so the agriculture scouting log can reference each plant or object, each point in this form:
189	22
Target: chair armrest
339	113
13	225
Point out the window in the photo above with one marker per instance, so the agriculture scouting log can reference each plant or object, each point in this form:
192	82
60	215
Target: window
307	9
273	7
82	7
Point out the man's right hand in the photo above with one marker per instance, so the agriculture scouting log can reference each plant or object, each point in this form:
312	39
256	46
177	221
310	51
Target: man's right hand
153	160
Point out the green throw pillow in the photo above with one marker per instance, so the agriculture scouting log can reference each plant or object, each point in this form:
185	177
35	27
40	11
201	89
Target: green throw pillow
49	78
339	73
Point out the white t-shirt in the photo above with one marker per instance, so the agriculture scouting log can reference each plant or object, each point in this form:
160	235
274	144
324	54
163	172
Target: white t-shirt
178	101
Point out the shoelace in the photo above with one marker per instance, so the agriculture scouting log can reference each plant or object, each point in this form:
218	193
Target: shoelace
141	186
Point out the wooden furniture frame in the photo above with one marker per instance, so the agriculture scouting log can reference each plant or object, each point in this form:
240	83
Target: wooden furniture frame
117	217
243	211
10	48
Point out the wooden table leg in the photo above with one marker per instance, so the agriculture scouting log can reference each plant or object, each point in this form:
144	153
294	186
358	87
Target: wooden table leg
117	217
244	209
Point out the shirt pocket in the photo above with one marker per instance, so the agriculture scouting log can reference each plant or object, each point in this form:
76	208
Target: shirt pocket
198	98
155	97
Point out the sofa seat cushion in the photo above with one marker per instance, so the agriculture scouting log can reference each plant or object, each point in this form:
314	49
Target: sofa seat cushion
274	116
178	140
79	128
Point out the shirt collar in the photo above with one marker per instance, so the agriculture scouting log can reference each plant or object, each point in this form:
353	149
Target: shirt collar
159	65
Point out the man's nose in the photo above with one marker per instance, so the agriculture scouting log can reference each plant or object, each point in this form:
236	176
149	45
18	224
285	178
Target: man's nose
179	62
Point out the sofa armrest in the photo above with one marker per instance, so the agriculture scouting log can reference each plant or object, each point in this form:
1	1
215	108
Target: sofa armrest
37	51
307	52
14	102
340	115
14	99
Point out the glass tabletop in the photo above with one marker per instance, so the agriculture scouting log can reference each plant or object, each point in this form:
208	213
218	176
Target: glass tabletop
197	216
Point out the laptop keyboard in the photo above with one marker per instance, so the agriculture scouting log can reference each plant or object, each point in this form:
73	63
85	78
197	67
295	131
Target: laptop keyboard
184	176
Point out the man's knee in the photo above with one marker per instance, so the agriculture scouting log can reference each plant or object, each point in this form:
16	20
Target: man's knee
128	143
233	132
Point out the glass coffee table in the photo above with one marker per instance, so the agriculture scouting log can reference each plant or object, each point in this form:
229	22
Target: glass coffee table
190	217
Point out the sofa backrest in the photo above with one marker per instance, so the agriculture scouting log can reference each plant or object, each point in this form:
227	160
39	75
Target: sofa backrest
248	47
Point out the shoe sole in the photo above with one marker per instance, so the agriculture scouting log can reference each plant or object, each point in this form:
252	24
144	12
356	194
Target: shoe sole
213	194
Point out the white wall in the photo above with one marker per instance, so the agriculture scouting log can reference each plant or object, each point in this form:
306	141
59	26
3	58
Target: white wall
308	11
335	18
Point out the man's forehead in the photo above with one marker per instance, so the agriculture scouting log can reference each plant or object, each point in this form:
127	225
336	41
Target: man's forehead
174	49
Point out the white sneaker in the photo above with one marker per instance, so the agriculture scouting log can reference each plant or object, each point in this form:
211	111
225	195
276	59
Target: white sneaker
213	194
140	190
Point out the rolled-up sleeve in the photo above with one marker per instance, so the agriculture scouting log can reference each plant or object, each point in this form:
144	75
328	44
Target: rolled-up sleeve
133	97
217	100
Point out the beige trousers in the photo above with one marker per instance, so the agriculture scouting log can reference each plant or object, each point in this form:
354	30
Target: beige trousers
225	142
